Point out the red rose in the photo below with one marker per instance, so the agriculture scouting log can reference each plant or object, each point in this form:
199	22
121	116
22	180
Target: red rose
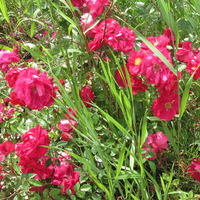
67	125
166	106
32	141
7	57
87	95
12	76
35	89
66	176
6	148
155	143
193	169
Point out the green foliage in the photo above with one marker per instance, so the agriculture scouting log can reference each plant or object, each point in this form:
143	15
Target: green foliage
107	144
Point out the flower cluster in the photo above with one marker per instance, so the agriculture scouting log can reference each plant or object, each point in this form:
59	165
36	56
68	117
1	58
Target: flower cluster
155	143
191	58
145	63
64	175
30	87
32	153
107	31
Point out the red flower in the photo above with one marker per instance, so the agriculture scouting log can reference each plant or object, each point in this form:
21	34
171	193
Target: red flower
193	66
137	85
67	125
7	57
185	53
86	21
135	61
15	100
194	169
78	3
65	176
123	40
169	33
170	85
166	106
6	148
102	32
2	110
87	96
120	77
159	42
12	76
97	42
35	89
1	173
96	7
72	112
155	143
32	141
62	81
36	166
66	136
154	69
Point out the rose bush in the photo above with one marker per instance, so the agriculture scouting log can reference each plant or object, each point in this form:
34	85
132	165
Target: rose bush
90	108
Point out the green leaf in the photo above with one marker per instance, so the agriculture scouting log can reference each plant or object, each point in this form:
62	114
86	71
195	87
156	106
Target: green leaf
55	193
4	11
95	118
170	137
152	165
85	188
35	182
96	197
48	162
185	96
